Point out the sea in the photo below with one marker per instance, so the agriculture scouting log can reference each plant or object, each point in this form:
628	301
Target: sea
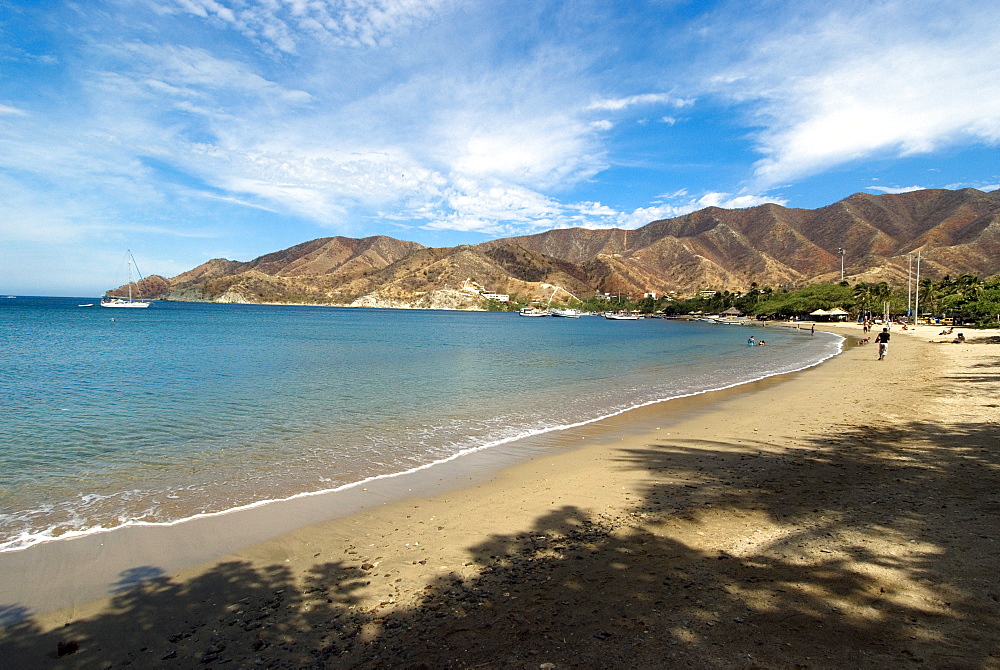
116	417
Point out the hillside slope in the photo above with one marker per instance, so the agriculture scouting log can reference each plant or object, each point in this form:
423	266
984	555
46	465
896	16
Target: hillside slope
956	232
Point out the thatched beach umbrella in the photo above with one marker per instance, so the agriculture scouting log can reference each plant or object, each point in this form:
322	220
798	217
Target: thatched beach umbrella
838	314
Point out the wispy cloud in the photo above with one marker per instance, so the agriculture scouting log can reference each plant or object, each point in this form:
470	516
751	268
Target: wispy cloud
12	111
618	104
896	189
681	202
880	78
503	211
286	24
172	73
175	118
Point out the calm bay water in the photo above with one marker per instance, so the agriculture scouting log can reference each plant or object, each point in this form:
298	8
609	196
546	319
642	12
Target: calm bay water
110	417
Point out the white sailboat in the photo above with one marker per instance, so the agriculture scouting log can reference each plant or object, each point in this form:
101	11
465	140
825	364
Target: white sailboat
566	313
129	302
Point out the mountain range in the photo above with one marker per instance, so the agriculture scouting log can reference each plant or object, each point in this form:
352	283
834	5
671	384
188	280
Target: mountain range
955	231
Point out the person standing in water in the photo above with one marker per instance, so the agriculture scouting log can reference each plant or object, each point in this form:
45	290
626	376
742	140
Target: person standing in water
883	343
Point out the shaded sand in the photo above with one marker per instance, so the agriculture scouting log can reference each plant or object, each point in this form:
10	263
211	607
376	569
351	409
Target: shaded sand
843	518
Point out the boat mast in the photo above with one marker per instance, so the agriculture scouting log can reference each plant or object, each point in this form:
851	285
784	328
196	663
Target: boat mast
142	280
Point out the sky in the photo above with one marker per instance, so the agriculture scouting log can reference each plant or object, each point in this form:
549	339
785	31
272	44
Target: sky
185	130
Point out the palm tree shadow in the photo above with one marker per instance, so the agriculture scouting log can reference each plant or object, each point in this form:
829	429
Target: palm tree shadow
867	548
133	577
873	555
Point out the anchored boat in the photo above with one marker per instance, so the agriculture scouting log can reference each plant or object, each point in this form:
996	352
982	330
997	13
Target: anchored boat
129	302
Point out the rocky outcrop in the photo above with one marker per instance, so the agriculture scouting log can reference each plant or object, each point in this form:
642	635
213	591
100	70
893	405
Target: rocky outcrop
440	299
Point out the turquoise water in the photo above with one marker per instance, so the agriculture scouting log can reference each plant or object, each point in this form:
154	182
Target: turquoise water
112	417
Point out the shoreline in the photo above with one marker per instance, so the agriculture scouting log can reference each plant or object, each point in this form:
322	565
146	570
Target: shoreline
523	440
94	560
657	536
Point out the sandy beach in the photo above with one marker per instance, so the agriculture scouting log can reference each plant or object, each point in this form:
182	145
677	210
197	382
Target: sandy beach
843	516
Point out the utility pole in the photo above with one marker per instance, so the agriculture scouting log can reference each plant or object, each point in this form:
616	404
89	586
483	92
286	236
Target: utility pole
841	252
916	299
909	285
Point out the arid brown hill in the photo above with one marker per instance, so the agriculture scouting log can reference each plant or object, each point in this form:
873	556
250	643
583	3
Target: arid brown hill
308	272
956	232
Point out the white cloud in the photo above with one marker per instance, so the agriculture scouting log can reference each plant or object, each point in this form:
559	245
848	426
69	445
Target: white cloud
504	210
322	183
287	24
729	201
178	72
618	104
594	209
496	208
405	146
452	146
880	79
680	203
271	105
896	189
542	151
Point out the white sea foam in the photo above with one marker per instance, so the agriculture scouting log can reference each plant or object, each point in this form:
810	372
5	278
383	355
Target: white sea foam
77	524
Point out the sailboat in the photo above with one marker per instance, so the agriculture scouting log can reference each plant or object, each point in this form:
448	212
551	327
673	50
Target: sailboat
119	301
564	312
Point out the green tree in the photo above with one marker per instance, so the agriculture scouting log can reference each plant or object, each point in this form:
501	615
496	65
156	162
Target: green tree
927	295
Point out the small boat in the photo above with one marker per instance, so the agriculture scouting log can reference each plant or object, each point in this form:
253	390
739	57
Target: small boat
129	302
566	313
621	316
531	311
89	304
124	302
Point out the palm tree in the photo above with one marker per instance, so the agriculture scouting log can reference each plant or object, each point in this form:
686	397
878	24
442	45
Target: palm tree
962	292
863	297
928	295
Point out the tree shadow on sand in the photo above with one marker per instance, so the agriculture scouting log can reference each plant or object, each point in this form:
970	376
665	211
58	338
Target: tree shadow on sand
865	548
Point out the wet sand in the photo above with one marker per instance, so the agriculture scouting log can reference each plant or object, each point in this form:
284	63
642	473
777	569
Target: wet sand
843	516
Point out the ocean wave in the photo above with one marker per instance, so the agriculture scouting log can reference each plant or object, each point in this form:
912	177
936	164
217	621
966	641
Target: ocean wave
94	513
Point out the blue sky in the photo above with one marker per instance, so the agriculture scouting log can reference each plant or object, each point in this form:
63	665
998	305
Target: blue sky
186	130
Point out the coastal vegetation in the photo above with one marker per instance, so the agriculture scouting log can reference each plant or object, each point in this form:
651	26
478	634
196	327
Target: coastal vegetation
965	300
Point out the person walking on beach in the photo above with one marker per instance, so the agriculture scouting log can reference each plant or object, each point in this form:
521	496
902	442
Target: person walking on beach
812	329
883	343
